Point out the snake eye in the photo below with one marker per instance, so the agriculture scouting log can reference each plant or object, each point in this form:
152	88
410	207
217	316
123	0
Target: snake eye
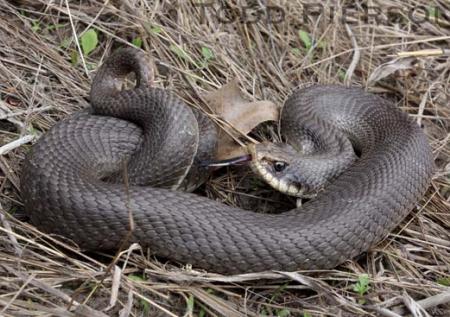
279	166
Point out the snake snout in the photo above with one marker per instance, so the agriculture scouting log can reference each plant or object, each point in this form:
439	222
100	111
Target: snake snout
274	163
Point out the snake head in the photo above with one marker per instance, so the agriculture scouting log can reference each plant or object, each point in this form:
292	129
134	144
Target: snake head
275	164
283	167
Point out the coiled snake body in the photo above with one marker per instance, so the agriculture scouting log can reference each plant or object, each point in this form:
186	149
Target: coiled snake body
65	192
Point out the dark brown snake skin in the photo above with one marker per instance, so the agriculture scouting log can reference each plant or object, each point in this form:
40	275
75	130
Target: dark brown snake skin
157	134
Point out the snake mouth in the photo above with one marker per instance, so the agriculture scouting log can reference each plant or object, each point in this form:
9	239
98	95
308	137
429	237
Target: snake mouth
283	186
250	157
239	160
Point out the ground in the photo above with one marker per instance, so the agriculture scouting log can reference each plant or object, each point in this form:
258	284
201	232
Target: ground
49	51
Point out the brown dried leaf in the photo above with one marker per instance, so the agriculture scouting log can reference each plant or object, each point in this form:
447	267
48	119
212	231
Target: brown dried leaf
228	148
386	69
227	102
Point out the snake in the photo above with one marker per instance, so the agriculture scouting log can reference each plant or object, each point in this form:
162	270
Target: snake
114	172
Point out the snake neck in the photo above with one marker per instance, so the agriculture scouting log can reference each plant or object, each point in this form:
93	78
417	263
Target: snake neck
109	78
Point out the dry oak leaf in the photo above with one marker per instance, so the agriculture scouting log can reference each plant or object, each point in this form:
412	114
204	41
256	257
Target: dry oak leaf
227	103
391	67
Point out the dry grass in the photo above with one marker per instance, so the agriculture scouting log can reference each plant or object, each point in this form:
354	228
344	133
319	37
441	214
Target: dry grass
39	276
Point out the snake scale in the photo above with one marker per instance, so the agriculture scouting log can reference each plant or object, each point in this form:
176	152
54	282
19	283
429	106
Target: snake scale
71	185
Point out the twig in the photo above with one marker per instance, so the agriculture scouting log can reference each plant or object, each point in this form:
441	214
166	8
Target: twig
126	311
435	300
19	291
5	113
16	143
424	53
413	306
8	228
21	112
384	311
355	59
76	38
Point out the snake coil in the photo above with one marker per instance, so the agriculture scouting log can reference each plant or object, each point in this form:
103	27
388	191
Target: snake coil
157	136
